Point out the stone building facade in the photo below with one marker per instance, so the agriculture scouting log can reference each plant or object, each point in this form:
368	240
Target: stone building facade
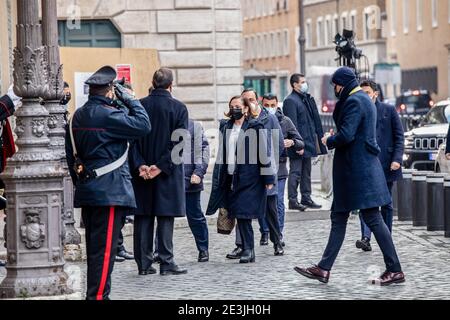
325	18
271	49
201	40
418	33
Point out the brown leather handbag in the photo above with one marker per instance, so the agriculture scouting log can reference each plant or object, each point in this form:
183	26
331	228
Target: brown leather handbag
225	224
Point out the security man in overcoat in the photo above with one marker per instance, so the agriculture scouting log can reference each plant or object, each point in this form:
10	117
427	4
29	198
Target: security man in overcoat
97	144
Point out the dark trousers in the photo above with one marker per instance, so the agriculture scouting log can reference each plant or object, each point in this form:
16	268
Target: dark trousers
102	225
373	219
387	212
120	245
196	219
246	231
299	174
281	208
143	241
272	220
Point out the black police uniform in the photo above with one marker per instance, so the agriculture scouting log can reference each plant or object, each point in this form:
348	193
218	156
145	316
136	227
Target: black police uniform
101	134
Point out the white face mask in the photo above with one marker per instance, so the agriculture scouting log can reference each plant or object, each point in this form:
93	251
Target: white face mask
304	88
272	110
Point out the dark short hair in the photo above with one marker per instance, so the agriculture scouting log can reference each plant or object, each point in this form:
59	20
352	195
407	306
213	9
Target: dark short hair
295	78
270	96
163	78
370	83
66	85
250	90
99	90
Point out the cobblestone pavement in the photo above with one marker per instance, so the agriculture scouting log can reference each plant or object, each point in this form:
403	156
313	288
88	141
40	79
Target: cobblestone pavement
425	257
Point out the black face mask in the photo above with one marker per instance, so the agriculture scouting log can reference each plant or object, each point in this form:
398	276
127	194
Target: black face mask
66	99
236	114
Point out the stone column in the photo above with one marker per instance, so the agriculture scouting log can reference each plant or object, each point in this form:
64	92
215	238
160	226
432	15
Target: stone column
57	121
34	176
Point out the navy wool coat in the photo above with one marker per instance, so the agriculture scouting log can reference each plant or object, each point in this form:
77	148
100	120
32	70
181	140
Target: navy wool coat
244	194
391	139
302	110
358	178
164	195
101	132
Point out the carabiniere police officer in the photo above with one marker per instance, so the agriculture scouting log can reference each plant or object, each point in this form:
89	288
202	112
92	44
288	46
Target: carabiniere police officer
97	144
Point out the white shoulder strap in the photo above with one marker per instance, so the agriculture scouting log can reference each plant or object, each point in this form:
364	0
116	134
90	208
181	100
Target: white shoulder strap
72	139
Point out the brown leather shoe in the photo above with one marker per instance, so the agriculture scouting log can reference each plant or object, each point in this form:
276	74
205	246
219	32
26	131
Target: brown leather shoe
314	272
388	278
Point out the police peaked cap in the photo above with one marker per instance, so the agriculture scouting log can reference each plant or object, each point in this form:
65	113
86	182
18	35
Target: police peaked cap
105	76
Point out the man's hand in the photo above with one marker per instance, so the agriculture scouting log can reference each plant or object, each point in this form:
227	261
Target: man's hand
327	136
288	143
153	172
301	152
395	166
143	172
195	179
269	186
447	156
15	99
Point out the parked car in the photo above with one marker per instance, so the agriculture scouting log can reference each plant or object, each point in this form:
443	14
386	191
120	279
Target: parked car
414	102
442	164
422	144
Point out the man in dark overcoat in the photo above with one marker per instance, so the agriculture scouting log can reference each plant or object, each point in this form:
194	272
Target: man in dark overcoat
358	178
158	179
301	108
391	139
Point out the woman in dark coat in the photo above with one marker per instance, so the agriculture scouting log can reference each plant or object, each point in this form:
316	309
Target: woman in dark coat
243	176
358	178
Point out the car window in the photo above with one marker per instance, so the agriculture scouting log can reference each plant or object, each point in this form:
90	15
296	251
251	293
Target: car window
437	115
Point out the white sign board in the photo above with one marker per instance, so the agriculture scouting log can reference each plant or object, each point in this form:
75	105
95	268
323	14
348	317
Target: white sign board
81	89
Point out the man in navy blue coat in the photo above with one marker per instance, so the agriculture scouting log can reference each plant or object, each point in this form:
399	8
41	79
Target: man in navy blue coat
158	179
195	167
358	179
301	108
391	139
101	134
447	149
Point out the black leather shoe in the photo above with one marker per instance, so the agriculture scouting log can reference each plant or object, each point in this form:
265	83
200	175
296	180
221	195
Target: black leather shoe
236	254
311	204
364	244
203	256
2	264
174	271
150	270
278	249
264	239
126	255
156	258
294	205
248	256
119	259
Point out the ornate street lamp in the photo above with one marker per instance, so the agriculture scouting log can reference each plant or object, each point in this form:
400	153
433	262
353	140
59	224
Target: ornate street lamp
34	176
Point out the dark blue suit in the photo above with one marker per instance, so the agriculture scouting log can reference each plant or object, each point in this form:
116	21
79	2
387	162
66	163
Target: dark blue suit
302	110
196	162
390	138
358	178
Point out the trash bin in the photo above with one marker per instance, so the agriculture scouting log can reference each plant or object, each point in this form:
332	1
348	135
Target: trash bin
435	197
395	199
420	198
447	206
404	196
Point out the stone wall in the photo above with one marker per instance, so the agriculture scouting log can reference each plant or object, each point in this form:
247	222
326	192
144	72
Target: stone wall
200	39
